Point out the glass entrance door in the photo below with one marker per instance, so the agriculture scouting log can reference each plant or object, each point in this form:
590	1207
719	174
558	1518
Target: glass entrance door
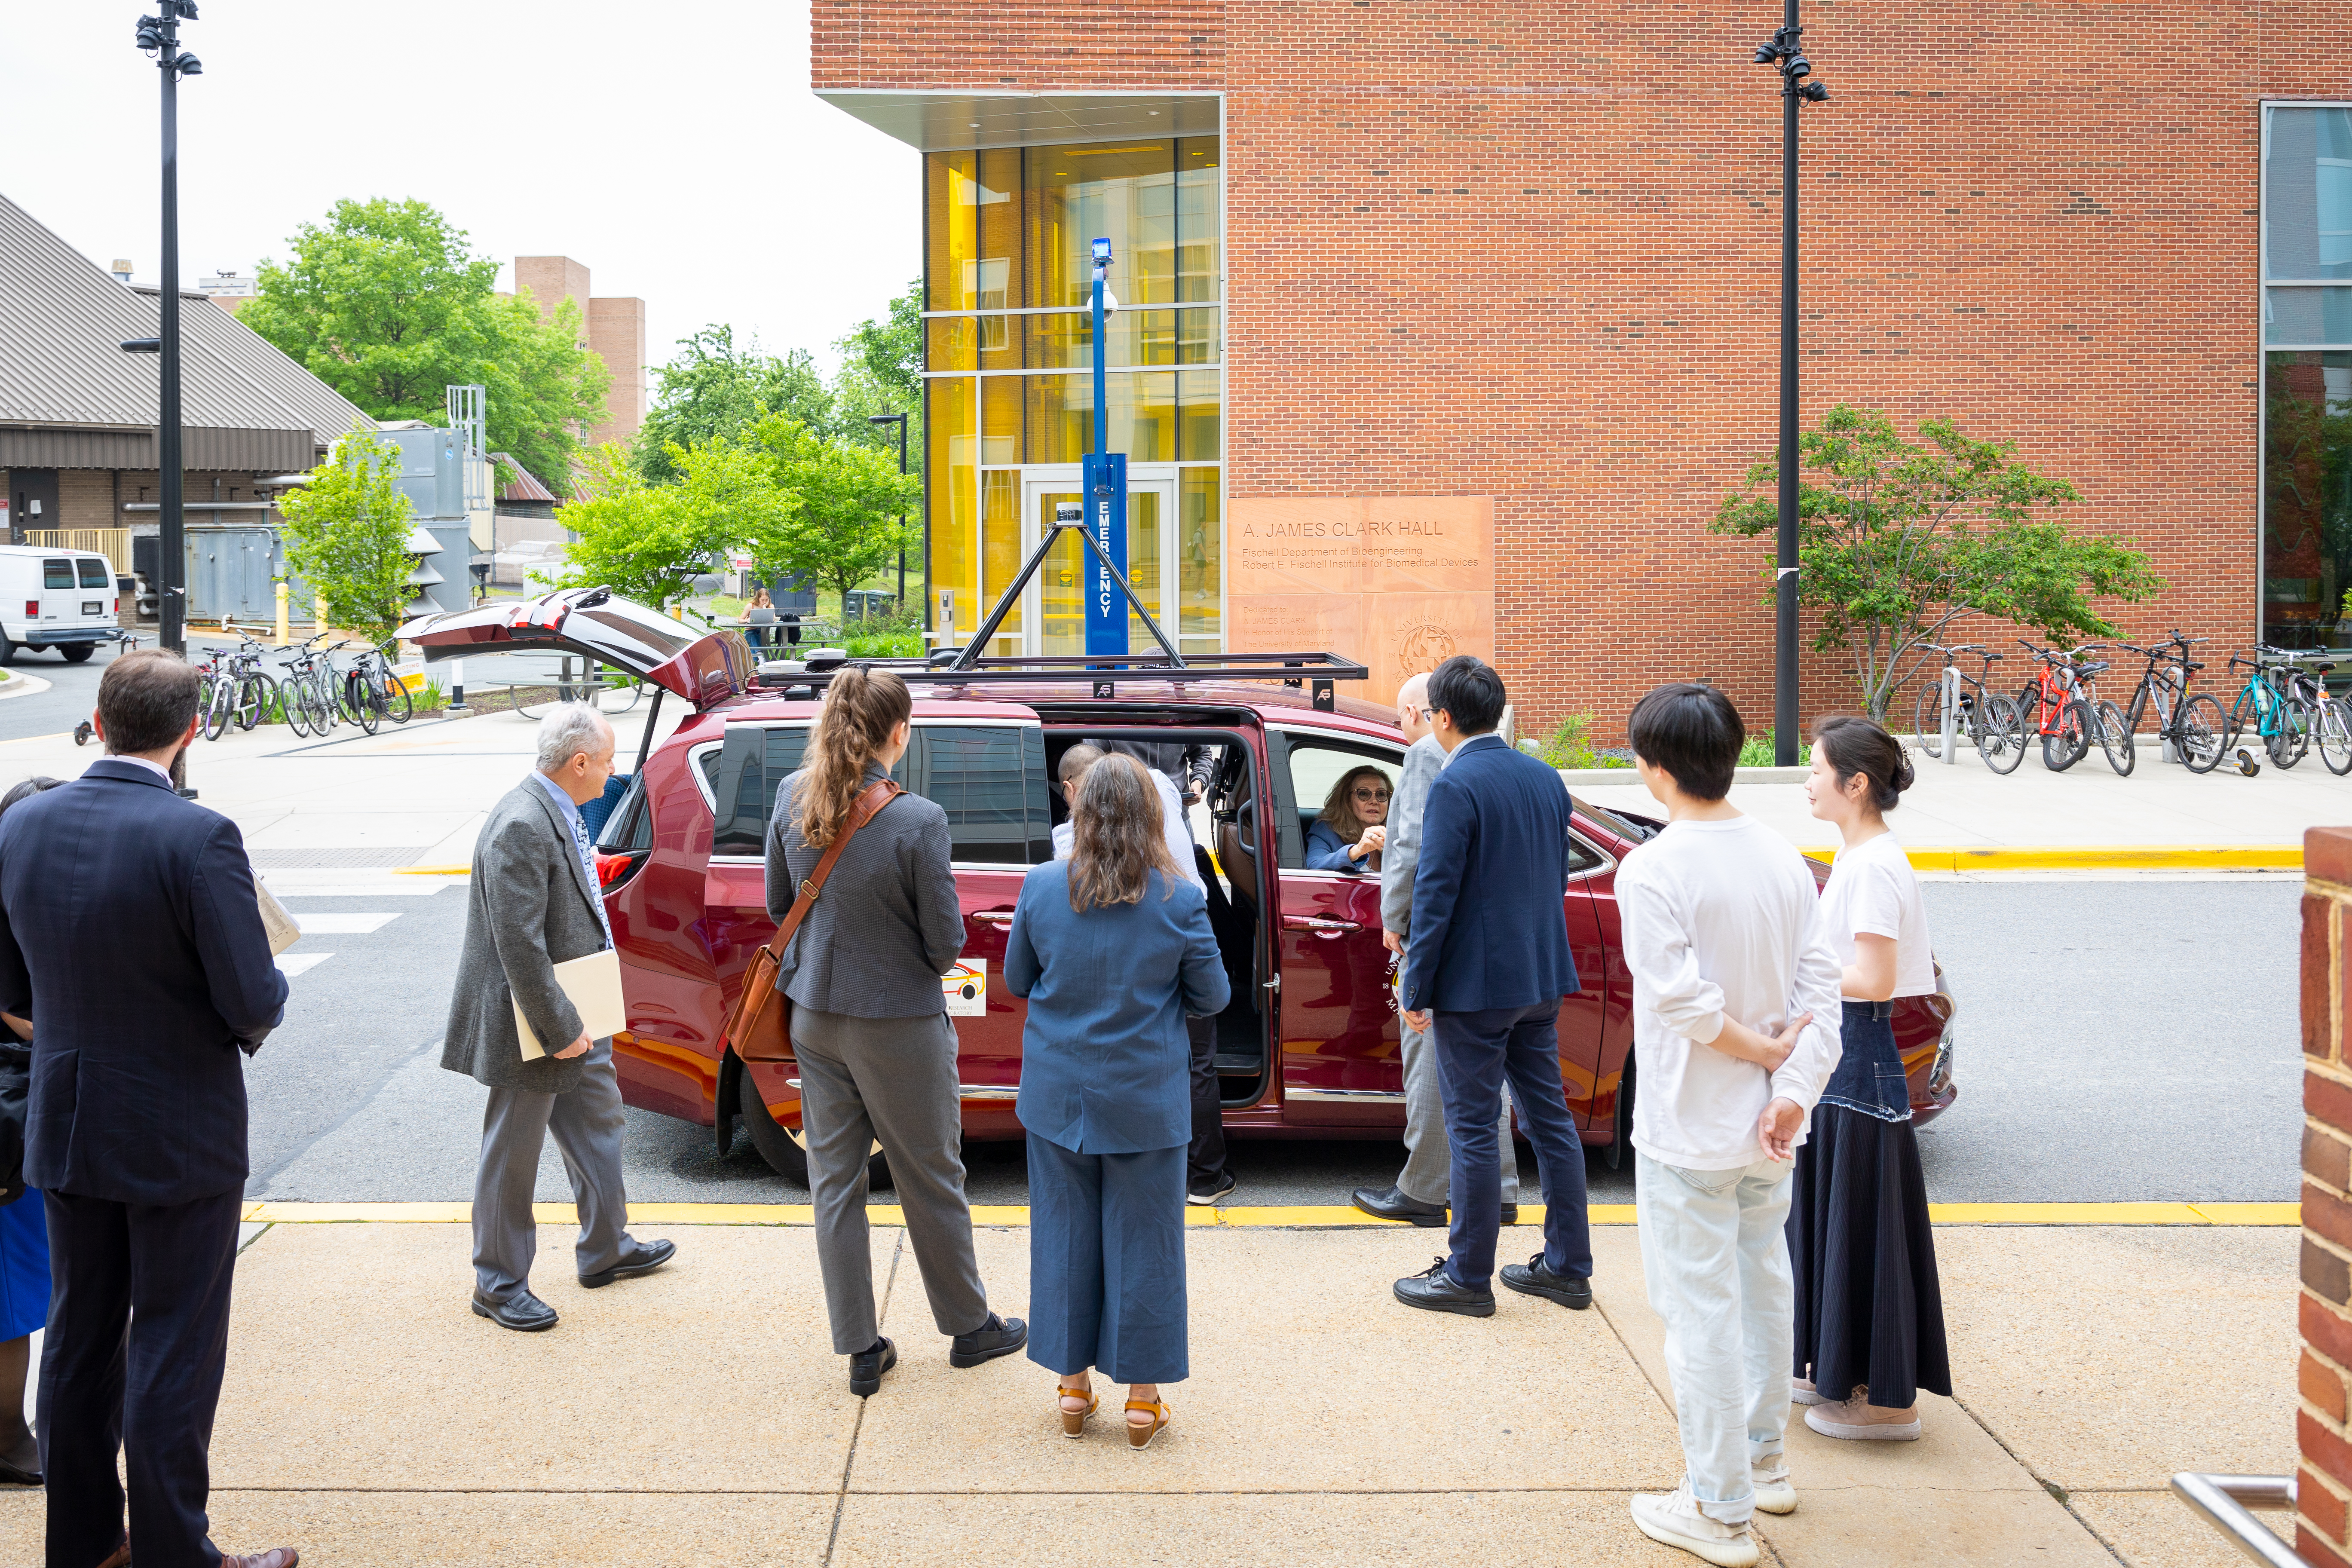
1052	613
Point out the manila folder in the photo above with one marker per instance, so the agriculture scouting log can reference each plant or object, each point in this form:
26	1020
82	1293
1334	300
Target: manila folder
594	983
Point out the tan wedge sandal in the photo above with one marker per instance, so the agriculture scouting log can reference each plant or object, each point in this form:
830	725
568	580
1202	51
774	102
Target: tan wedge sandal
1074	1421
1141	1437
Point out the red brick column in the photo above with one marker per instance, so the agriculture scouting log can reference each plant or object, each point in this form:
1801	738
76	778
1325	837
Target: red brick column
2325	1484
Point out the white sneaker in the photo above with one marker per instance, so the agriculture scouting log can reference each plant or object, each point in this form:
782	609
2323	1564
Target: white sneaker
1802	1392
1775	1492
1673	1519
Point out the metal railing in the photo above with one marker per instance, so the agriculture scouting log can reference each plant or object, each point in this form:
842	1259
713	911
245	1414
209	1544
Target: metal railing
2225	1501
114	543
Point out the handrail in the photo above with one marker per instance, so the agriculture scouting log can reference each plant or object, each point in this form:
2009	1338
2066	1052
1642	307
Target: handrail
2223	1502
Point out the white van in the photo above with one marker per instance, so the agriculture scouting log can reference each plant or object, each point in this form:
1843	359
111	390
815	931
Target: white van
62	599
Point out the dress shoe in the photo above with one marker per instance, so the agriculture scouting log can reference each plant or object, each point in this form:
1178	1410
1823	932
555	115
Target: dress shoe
276	1557
16	1478
867	1367
648	1257
1433	1291
996	1337
1532	1278
521	1311
1389	1202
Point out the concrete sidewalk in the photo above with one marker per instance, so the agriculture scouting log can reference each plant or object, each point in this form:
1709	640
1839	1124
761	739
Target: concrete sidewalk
698	1418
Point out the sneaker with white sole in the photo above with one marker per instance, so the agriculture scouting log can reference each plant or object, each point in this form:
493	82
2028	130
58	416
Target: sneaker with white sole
1857	1418
1775	1492
1673	1519
1802	1392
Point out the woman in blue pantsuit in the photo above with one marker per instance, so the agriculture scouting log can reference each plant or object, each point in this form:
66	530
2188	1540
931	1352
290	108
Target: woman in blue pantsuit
1112	948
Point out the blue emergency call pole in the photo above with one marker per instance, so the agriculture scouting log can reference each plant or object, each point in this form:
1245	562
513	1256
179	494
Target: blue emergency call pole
1104	476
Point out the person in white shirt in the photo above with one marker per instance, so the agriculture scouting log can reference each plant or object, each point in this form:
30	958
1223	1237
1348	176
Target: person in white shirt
1735	998
1869	1309
1084	755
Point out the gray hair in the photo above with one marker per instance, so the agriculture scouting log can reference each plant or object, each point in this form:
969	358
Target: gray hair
570	729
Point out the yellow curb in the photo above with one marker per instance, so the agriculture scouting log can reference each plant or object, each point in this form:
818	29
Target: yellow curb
441	871
1302	1217
2097	857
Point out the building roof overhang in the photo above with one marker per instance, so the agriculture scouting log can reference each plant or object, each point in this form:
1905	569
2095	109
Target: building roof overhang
961	120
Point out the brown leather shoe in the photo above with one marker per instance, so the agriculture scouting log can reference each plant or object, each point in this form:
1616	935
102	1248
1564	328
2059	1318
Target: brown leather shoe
119	1557
276	1557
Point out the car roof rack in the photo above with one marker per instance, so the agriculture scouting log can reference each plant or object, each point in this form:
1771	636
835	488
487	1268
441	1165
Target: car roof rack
968	666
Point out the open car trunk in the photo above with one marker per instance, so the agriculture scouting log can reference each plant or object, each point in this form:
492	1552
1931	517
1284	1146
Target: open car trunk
706	667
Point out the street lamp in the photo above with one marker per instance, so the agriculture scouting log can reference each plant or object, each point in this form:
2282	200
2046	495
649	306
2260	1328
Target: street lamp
1784	55
159	38
900	421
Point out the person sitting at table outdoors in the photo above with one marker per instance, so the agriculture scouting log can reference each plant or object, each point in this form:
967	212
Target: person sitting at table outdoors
1352	829
1111	948
758	616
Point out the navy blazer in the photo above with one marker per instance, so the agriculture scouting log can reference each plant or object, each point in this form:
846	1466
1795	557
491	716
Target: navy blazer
1327	851
129	934
1106	1065
1488	928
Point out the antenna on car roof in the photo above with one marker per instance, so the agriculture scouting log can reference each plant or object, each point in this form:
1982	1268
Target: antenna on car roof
968	658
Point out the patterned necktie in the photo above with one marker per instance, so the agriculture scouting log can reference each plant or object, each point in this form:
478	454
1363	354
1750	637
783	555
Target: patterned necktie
588	864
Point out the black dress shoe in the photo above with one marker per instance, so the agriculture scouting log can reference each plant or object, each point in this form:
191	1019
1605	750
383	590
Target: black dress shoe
521	1311
1392	1203
14	1477
648	1257
867	1367
1532	1278
996	1337
1433	1291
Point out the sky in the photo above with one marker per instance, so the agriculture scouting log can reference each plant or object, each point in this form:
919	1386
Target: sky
675	150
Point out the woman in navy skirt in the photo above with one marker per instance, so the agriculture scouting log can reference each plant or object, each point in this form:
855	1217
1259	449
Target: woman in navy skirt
1869	1309
24	1262
1112	948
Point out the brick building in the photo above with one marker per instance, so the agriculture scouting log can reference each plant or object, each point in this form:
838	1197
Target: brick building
616	335
1449	325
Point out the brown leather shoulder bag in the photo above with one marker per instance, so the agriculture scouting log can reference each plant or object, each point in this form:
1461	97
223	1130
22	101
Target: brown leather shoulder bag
760	1029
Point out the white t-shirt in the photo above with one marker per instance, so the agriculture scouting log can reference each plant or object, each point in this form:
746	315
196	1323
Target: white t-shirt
1172	815
1872	890
1719	919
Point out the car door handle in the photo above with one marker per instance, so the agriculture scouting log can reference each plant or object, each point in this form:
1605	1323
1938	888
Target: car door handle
993	917
1326	928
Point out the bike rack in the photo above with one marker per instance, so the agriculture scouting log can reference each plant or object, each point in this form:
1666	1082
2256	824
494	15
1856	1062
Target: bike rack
2224	1502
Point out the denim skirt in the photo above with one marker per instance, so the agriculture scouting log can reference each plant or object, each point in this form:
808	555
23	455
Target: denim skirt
1869	1308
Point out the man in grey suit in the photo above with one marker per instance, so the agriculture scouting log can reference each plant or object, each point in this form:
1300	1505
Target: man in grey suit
1419	1192
534	904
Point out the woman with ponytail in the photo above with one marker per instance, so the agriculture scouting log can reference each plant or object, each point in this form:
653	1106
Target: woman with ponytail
869	1027
1869	1311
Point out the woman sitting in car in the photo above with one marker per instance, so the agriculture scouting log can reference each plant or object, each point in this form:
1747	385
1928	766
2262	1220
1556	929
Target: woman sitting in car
1352	827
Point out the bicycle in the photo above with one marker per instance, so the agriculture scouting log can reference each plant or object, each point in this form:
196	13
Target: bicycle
2310	712
2262	705
372	693
311	706
2194	726
2060	702
1986	717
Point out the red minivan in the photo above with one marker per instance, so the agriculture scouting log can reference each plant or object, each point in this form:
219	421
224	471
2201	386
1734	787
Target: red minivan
1308	1048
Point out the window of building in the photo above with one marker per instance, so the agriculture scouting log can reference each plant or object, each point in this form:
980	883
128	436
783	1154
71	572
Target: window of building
1009	347
2306	499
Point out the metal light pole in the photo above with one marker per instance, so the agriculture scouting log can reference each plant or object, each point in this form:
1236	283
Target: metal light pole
1784	55
1103	479
900	420
159	38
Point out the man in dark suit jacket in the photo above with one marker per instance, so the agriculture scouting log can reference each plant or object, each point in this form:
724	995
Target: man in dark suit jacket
129	934
1487	955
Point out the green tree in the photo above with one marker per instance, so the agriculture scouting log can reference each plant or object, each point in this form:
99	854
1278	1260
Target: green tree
882	373
649	542
1898	540
346	534
712	388
386	304
846	525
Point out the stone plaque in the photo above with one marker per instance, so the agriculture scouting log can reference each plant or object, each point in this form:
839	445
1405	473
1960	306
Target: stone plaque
1399	582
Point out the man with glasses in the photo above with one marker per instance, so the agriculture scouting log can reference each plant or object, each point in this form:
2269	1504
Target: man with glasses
1419	1194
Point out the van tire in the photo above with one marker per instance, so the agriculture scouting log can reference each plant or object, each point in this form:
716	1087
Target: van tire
7	649
78	652
782	1152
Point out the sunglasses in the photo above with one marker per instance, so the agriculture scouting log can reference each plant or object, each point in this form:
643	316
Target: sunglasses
1370	793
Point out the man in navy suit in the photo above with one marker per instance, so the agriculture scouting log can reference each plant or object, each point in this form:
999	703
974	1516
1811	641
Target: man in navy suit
1488	958
129	934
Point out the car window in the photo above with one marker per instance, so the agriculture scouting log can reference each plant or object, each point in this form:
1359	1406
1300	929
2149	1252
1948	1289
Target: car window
751	768
56	574
990	782
95	573
1316	769
630	830
1631	829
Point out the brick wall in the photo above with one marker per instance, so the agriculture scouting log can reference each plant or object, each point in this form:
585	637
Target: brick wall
1532	251
2326	1482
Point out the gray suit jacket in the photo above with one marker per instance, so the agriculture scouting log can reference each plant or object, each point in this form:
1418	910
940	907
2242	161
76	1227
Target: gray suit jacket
886	924
529	909
1424	761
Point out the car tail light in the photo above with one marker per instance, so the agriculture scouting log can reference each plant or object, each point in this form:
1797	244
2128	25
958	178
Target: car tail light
32	609
118	608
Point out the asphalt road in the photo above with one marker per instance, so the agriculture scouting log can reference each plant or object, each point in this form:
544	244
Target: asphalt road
2119	1041
73	688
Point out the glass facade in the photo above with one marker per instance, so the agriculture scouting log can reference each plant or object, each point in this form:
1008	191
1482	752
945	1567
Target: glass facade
1009	356
2306	374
